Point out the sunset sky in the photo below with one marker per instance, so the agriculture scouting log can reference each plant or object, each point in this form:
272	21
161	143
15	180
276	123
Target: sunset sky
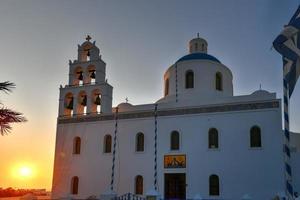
138	40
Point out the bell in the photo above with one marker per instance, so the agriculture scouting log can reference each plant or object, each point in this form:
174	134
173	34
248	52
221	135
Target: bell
80	77
98	100
93	75
88	53
83	100
70	105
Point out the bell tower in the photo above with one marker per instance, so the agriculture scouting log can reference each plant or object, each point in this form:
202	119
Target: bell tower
88	91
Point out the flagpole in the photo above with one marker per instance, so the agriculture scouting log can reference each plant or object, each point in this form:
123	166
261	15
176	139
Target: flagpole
287	153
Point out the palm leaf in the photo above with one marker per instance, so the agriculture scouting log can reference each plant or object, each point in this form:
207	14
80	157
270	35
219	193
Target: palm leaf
6	86
8	116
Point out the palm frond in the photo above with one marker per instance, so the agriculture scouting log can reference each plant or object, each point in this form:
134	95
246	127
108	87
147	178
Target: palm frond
8	116
6	86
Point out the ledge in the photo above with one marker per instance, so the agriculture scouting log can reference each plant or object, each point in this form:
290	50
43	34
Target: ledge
173	112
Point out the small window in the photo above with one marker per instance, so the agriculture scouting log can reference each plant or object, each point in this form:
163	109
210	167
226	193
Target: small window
74	185
139	185
76	145
107	144
166	87
213	139
255	137
139	142
189	79
196	46
214	188
174	140
219	81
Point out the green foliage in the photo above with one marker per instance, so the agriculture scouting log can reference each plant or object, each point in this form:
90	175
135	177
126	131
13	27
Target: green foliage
8	116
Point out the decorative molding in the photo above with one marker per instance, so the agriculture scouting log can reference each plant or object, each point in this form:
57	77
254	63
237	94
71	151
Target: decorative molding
172	112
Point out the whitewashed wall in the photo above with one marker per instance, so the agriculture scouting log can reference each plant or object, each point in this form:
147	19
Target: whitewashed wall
241	170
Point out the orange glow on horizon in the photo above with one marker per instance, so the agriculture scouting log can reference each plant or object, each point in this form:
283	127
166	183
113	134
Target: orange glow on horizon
27	156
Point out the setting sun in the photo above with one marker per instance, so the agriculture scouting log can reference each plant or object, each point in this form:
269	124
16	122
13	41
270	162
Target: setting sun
25	171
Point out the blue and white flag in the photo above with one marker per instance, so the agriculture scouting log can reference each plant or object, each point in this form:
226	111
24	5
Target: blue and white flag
288	45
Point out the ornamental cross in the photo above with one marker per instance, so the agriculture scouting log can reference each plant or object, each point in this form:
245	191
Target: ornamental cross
88	38
126	99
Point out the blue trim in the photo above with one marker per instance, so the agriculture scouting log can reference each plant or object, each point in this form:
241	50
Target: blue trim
155	147
198	56
292	78
287	151
288	169
289	187
286	117
287	134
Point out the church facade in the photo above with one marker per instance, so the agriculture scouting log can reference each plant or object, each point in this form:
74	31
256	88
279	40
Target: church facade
197	140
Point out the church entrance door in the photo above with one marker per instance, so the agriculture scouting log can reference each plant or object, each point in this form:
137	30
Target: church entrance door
175	186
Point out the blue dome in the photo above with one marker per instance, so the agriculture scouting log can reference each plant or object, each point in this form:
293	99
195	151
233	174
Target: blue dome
198	56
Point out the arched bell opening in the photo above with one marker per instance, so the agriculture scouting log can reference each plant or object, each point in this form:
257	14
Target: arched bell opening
96	102
91	71
85	54
82	103
68	105
78	74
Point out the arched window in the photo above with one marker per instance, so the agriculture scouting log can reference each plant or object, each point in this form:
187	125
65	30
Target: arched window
219	81
107	144
213	138
139	142
214	188
76	145
189	79
166	87
174	140
255	137
74	185
139	185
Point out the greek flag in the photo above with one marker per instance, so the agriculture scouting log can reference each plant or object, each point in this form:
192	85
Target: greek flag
288	45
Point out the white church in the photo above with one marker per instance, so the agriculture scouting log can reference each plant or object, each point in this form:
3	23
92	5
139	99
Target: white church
198	141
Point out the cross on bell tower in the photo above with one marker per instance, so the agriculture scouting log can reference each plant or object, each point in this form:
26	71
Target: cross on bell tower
88	38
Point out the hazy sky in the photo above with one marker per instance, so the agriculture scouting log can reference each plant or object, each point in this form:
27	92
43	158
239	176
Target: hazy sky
138	40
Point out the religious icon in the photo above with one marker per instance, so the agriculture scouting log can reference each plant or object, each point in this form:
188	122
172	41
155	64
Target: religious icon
174	161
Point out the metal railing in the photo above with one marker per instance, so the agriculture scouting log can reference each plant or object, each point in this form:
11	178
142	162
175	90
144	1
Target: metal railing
129	196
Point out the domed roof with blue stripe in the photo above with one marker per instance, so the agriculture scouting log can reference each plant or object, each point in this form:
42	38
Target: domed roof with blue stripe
198	56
